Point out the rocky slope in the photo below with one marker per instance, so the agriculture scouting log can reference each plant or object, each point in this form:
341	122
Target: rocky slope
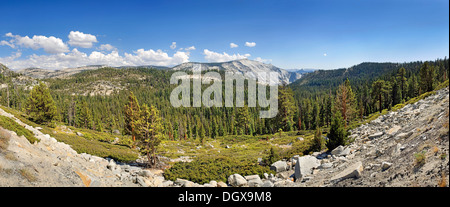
408	147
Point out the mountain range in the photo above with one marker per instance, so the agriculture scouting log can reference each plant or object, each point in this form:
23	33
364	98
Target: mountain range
250	68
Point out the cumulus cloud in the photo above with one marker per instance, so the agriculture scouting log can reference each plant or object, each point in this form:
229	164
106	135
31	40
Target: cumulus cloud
324	54
76	58
232	45
158	57
190	48
259	59
250	44
3	42
79	39
224	57
173	45
107	47
50	44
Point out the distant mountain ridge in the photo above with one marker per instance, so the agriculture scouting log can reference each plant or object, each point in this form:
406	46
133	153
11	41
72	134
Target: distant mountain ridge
250	68
253	69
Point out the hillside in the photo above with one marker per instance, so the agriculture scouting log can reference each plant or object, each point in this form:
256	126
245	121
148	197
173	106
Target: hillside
407	147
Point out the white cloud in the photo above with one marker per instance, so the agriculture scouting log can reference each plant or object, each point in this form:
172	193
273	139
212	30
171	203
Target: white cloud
76	58
232	45
107	47
259	59
173	45
324	54
158	57
190	48
80	39
250	44
224	57
49	44
3	42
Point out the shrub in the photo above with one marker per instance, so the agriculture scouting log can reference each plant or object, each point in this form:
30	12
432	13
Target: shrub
204	170
419	159
11	125
4	139
271	157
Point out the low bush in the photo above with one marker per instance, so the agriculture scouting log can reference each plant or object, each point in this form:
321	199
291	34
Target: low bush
11	125
219	169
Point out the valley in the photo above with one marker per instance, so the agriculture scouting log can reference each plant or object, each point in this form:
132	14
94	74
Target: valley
97	136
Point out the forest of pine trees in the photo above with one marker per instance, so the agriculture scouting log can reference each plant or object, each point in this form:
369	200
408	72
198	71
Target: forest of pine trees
370	88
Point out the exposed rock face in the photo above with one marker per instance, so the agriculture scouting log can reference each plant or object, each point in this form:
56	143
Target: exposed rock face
305	165
250	68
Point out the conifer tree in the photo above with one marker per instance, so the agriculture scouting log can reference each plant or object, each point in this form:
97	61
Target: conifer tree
345	101
317	142
132	112
338	134
148	130
242	119
40	105
83	115
287	109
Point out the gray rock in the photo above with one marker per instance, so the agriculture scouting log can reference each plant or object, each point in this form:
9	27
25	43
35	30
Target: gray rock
376	135
279	166
340	151
221	184
237	180
385	165
79	134
140	180
353	171
167	183
403	135
252	177
305	165
267	183
115	131
145	173
255	182
326	165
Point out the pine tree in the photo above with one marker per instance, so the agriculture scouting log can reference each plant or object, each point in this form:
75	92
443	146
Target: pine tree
345	101
83	115
377	92
402	80
242	119
286	105
338	134
317	142
396	93
40	105
132	112
148	130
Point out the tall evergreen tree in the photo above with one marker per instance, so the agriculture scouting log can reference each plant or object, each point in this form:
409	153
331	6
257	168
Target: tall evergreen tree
286	105
149	134
345	101
132	112
40	105
338	134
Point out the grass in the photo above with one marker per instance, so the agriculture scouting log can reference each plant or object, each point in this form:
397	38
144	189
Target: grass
27	175
94	143
9	124
4	139
419	159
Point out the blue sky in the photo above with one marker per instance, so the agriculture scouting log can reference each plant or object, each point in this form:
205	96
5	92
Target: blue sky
289	34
